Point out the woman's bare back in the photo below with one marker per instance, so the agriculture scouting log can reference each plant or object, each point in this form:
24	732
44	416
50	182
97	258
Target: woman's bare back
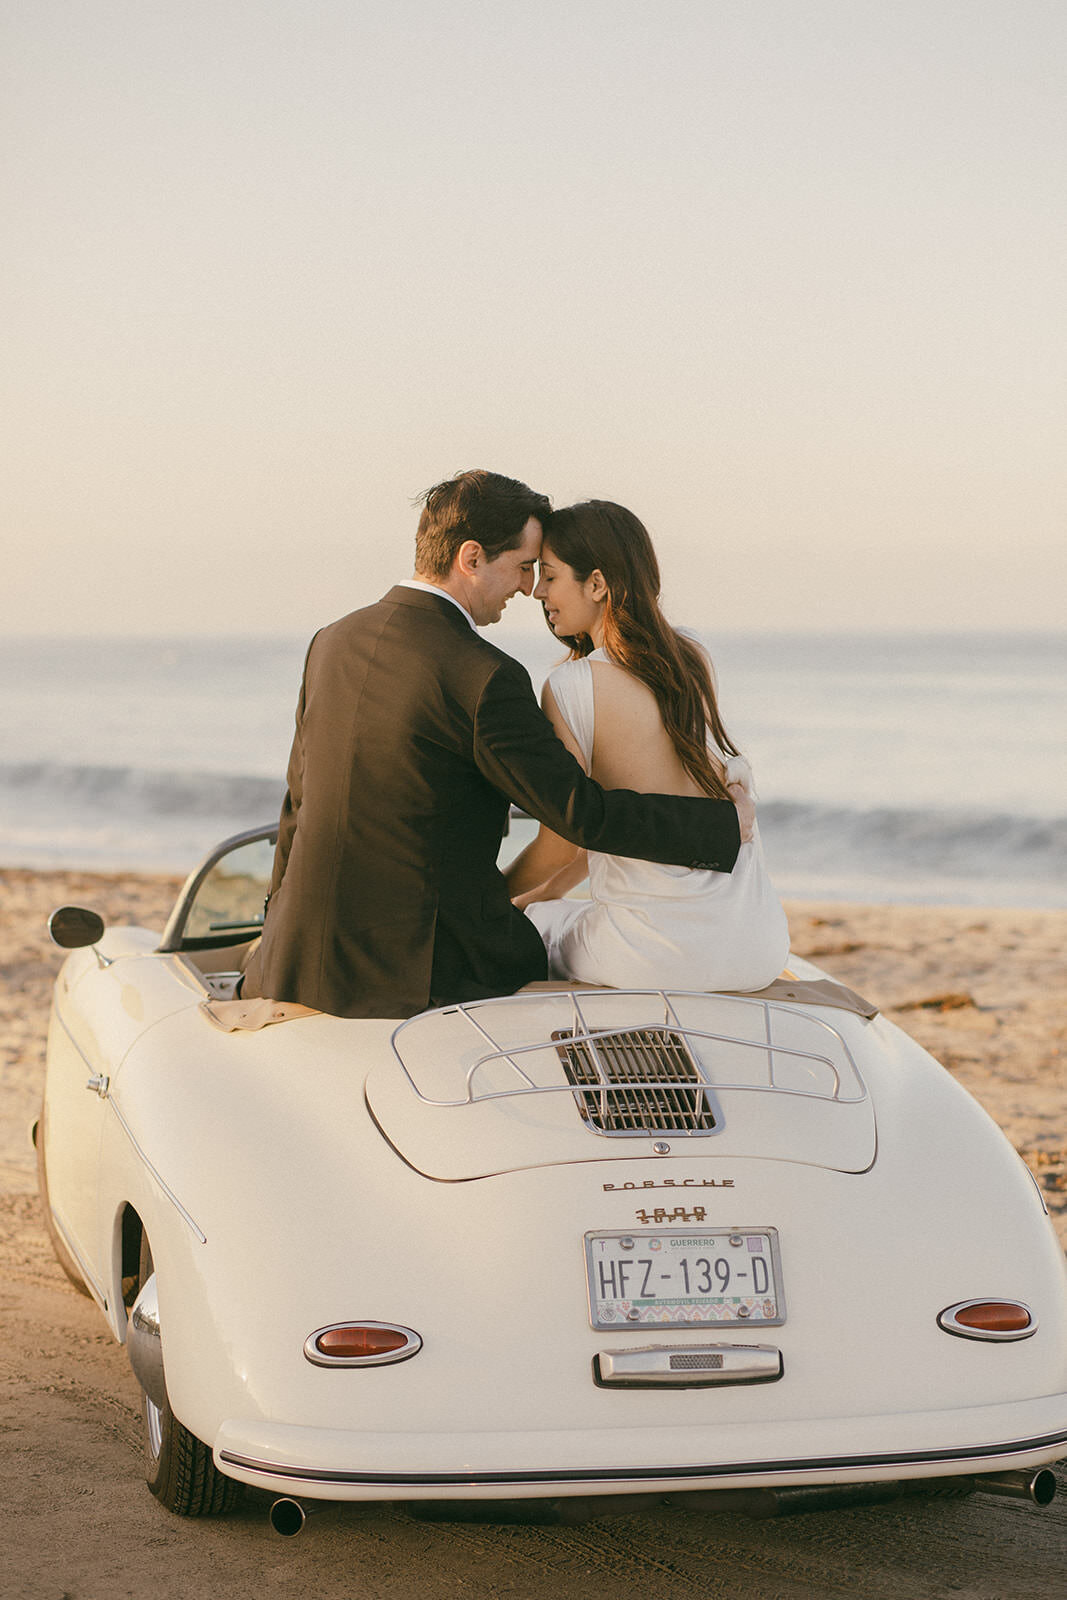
631	747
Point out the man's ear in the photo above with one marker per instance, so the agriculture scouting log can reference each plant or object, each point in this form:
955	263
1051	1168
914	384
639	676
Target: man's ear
469	557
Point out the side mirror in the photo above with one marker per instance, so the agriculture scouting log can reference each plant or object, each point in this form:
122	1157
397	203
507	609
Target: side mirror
71	927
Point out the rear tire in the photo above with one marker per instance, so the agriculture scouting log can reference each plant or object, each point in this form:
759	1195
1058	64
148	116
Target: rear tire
62	1254
179	1468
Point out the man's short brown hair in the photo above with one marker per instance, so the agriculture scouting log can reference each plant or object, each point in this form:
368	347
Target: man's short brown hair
473	505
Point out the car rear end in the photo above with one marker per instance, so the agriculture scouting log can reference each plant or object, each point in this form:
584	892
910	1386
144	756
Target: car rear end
648	1244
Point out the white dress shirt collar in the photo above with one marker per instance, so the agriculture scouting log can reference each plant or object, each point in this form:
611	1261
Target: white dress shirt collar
433	588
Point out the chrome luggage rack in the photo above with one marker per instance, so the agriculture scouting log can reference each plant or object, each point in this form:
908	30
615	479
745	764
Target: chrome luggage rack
646	1077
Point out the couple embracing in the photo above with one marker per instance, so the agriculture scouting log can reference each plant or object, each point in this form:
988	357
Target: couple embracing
414	734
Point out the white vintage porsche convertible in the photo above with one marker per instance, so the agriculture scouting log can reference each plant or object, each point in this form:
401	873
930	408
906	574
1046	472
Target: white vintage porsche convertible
572	1245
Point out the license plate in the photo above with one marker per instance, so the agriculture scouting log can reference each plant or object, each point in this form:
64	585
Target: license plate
713	1277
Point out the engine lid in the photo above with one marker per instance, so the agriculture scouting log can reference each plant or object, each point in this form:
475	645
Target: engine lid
608	1075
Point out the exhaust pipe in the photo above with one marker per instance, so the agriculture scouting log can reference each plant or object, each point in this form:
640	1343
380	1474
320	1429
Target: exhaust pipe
1036	1484
287	1517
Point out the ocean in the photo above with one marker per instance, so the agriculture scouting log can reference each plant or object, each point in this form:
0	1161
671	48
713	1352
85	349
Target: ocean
909	767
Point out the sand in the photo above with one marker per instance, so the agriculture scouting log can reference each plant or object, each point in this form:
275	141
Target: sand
983	990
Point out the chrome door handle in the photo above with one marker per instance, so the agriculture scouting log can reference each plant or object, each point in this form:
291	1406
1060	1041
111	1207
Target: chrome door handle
99	1081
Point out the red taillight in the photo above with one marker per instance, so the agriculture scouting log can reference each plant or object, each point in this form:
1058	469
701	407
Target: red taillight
358	1344
988	1319
994	1316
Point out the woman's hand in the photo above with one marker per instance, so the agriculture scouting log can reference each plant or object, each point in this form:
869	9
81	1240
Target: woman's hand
521	901
554	888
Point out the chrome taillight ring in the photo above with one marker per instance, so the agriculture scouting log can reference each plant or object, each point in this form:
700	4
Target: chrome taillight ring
949	1321
412	1344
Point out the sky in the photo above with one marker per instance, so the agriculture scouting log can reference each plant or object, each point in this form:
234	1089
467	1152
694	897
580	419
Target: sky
786	277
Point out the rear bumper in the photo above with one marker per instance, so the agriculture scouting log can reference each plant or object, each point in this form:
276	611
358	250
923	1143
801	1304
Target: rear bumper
335	1465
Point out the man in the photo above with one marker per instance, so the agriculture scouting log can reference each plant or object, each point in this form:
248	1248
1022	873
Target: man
412	735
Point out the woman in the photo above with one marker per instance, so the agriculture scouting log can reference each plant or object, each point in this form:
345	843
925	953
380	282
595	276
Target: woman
635	703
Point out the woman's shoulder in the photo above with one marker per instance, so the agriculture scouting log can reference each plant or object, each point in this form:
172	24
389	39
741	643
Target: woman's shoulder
617	686
568	694
570	677
573	667
611	684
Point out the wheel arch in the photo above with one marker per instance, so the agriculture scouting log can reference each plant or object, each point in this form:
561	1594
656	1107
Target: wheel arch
126	1234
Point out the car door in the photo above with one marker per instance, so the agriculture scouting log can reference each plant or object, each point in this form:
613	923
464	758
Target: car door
80	1057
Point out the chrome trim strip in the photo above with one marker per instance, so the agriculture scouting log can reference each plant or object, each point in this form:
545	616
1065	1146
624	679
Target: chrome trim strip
946	1321
92	1283
731	1469
171	1196
319	1358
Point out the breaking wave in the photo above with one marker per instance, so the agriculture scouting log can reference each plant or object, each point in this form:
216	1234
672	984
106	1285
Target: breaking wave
956	842
139	792
69	815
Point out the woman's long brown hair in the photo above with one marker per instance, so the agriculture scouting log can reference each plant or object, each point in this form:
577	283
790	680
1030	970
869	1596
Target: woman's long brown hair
599	535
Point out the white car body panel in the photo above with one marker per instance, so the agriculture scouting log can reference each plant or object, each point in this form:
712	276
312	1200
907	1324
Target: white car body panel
277	1204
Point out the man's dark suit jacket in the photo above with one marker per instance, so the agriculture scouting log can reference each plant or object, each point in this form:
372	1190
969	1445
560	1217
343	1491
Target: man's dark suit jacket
412	735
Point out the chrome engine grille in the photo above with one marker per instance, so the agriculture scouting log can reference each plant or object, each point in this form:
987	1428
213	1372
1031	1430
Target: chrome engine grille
640	1081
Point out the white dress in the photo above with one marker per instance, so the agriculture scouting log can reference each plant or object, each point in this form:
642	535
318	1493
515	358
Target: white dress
649	926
